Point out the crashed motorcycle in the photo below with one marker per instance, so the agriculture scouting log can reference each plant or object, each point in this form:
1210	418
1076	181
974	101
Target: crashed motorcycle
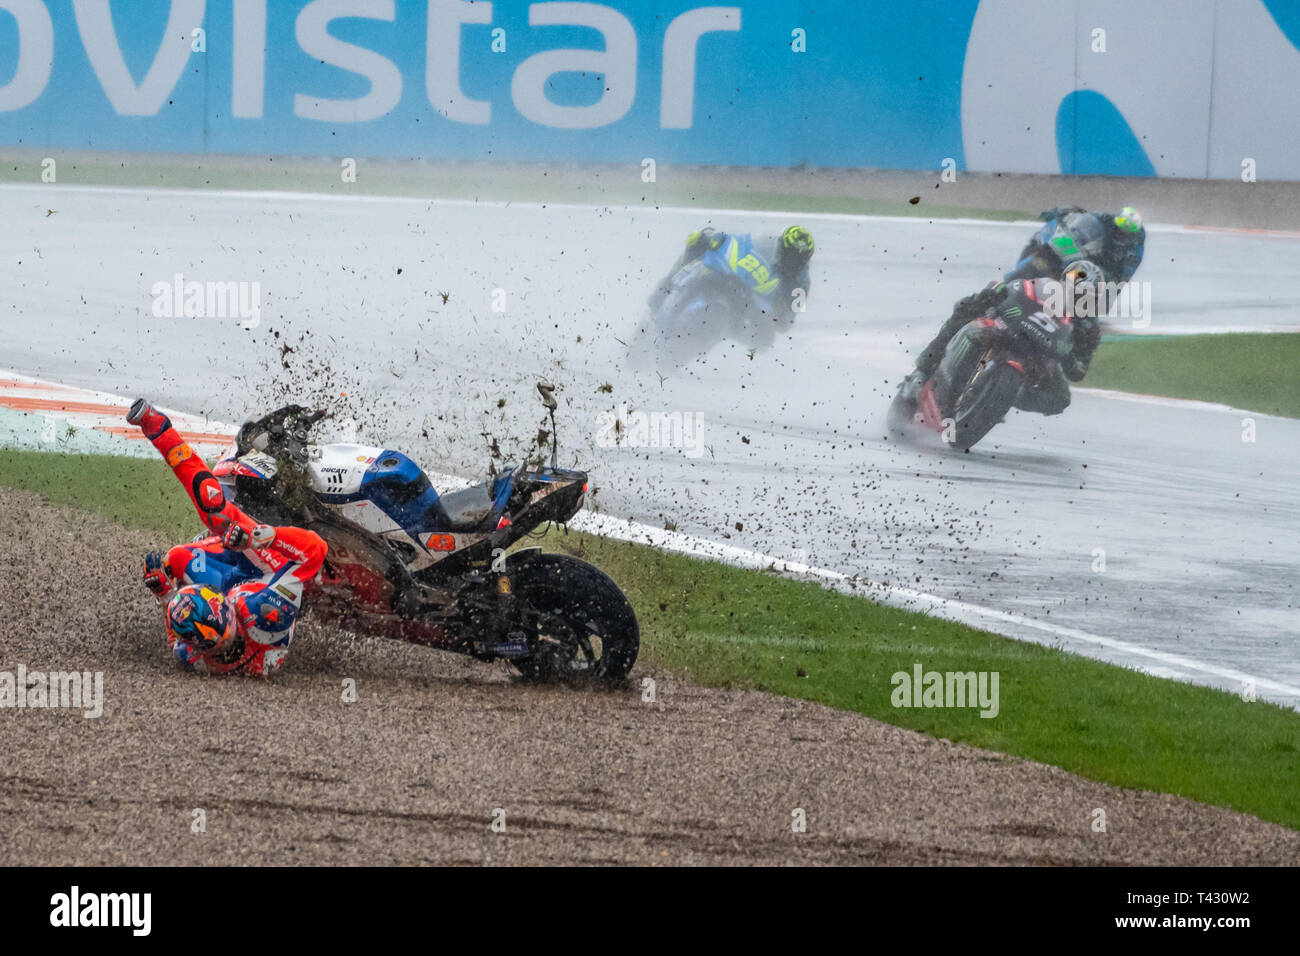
408	563
984	368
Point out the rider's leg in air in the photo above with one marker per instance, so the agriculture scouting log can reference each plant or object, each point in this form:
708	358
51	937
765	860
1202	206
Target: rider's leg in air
199	483
927	363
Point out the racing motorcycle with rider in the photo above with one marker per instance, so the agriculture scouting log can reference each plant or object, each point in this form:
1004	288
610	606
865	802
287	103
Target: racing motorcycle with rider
1112	241
1013	344
730	285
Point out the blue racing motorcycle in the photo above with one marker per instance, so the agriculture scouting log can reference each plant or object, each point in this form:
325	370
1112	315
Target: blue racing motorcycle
722	294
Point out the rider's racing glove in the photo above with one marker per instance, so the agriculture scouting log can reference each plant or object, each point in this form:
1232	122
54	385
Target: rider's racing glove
156	578
1087	336
979	303
238	538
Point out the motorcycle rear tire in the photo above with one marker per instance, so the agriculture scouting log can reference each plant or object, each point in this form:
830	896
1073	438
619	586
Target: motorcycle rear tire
587	600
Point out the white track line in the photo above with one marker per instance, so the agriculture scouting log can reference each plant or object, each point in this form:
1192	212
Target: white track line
281	195
1172	331
1194	404
905	598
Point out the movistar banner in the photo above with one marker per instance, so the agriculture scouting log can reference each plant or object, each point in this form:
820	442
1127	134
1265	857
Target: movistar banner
1161	87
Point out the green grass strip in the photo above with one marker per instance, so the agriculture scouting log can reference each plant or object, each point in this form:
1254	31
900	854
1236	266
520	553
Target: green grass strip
1257	371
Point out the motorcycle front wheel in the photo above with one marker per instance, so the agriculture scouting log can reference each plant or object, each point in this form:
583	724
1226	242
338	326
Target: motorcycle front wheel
986	387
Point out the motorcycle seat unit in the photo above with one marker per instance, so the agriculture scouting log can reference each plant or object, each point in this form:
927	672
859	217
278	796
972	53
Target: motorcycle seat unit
468	509
399	487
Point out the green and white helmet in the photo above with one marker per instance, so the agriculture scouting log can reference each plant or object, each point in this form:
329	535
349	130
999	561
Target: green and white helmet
1129	220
